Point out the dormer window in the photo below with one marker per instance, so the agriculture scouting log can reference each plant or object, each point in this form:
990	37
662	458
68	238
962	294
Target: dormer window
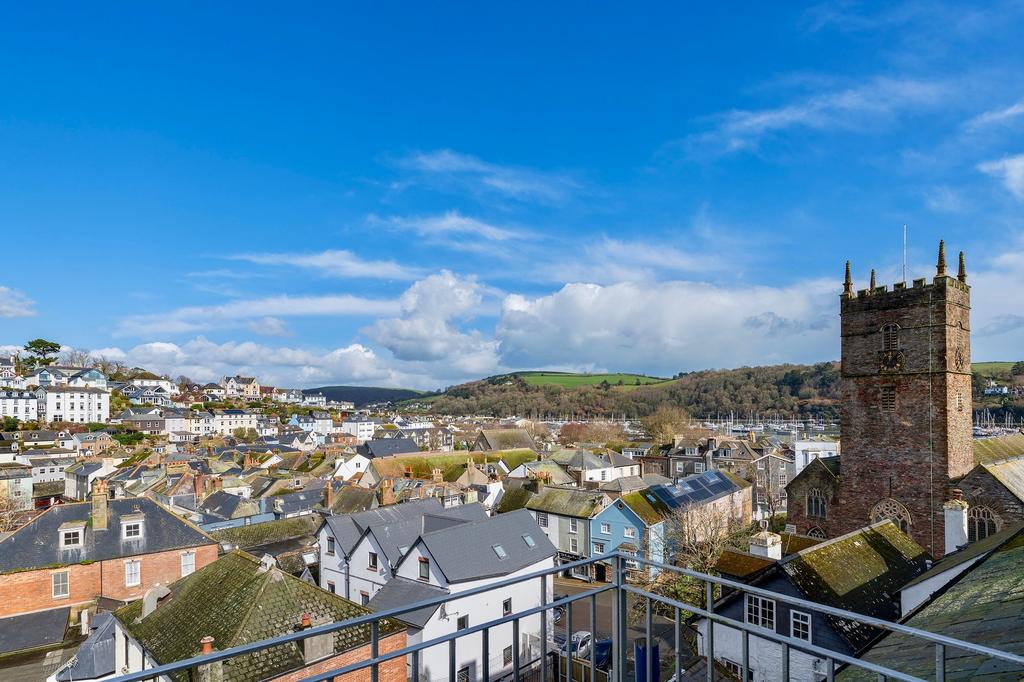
131	530
71	538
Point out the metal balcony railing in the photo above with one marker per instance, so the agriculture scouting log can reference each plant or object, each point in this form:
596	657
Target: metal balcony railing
543	668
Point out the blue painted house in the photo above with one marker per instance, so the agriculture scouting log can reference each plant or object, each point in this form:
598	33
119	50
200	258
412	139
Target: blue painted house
619	526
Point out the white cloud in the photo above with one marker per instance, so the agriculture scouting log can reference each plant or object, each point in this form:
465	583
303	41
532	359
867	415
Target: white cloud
426	330
448	224
268	326
205	360
943	199
861	107
234	313
997	116
670	326
336	263
13	303
446	167
1010	170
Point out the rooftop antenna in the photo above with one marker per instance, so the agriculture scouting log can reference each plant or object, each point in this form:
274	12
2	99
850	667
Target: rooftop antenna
904	253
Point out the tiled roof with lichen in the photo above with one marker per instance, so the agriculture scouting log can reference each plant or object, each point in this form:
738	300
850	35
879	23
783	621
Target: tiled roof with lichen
1010	474
452	465
982	607
993	449
514	498
861	572
259	534
741	564
237	601
568	502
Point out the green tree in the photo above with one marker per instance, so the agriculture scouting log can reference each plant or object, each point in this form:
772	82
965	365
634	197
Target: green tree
1018	368
41	352
246	435
9	424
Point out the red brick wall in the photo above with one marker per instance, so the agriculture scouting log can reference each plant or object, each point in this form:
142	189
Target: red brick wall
390	671
33	591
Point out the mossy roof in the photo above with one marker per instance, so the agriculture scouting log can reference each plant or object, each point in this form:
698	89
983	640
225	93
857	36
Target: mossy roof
1010	473
988	450
572	502
651	511
258	534
514	498
860	572
793	543
236	601
451	464
985	606
741	564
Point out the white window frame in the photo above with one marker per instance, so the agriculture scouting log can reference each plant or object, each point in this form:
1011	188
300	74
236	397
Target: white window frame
803	620
128	573
66	584
629	532
131	524
372	561
606	529
542	519
698	467
188	561
574	545
64	537
760	612
574	526
599	548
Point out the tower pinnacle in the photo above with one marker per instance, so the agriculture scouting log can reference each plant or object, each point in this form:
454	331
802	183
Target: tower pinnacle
872	286
848	282
962	273
940	266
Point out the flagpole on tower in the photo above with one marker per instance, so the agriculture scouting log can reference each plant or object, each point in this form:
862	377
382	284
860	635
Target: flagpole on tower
904	253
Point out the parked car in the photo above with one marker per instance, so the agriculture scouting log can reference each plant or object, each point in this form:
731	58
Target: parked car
580	648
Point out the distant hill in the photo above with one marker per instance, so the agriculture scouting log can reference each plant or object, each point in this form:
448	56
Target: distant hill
365	395
785	390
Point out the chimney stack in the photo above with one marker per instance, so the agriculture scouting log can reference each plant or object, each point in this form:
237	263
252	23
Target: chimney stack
955	521
436	475
330	494
387	492
766	544
207	645
99	505
209	672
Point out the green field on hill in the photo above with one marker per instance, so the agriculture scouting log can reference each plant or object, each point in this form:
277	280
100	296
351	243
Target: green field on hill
572	380
989	369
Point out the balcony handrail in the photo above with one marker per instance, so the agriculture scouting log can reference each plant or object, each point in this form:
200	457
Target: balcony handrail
619	559
834	611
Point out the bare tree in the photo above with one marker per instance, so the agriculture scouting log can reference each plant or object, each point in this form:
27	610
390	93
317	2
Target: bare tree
693	537
76	357
665	422
11	515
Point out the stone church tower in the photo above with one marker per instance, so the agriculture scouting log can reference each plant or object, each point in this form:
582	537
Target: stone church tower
906	410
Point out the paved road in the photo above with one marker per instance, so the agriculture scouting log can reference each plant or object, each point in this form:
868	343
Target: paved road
662	628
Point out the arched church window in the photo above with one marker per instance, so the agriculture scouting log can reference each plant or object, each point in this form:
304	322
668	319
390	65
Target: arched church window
817	507
982	522
894	511
890	337
816	533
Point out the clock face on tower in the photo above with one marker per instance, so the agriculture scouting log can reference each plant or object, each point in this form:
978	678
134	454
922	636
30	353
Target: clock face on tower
890	361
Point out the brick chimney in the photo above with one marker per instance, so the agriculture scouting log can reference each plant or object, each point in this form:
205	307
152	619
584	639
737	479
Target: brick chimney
436	475
99	504
387	492
330	494
199	487
209	672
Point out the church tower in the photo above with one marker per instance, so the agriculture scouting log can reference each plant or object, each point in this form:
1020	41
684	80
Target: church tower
906	402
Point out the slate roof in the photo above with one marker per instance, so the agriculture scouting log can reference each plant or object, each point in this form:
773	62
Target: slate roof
96	657
224	505
469	551
558	475
35	545
506	439
974	550
259	534
514	498
294	503
861	572
349	499
235	600
388	447
983	607
993	449
347	529
402	591
1010	473
31	630
573	502
396	536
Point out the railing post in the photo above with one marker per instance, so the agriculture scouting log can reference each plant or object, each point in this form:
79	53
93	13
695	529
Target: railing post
709	639
678	643
593	638
785	662
543	630
485	638
622	599
416	666
452	672
830	670
648	628
940	662
515	649
374	649
746	656
570	657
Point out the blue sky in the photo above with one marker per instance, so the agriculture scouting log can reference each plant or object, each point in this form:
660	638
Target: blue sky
414	195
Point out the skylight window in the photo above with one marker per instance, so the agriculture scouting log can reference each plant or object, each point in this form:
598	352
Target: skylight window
500	551
529	541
